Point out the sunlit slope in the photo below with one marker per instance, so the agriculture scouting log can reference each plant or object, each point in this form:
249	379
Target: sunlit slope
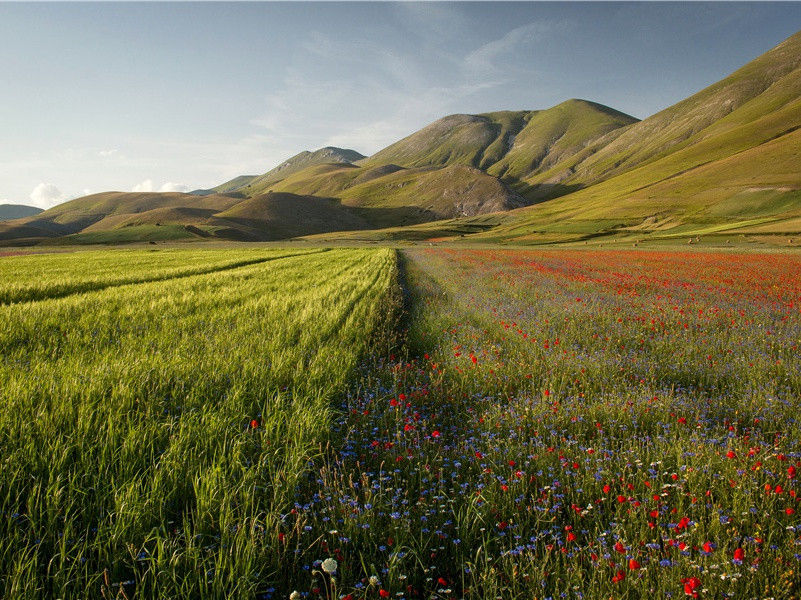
552	136
508	144
299	162
731	167
396	196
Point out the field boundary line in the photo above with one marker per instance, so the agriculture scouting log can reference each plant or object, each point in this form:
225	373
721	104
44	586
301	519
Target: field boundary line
104	286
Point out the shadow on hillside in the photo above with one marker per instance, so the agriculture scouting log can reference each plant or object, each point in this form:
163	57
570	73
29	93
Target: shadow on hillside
542	192
401	216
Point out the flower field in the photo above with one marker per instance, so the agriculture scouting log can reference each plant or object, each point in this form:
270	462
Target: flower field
535	424
571	424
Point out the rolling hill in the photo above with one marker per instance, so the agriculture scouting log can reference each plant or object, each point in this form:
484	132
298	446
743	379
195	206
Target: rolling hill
723	161
17	211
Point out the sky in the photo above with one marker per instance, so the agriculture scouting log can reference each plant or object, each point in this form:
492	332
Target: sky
179	96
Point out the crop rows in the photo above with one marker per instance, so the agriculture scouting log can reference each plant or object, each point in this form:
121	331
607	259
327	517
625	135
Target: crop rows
37	277
547	424
152	434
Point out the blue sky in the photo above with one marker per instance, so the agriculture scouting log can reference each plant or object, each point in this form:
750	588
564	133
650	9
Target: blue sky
153	96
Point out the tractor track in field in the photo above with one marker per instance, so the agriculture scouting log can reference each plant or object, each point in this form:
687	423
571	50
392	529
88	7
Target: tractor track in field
35	295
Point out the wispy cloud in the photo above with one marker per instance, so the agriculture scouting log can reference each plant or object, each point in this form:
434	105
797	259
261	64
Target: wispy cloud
389	95
497	54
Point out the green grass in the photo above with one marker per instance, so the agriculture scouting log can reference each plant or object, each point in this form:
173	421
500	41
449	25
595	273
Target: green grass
36	277
130	463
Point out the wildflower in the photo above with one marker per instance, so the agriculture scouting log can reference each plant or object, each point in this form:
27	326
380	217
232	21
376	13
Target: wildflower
691	586
435	433
383	593
295	595
329	566
254	424
739	555
619	576
633	565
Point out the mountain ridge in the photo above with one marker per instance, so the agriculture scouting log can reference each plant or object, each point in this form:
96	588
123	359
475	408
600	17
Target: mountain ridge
722	159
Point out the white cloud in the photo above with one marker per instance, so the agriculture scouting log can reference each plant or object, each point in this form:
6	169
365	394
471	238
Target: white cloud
144	186
108	153
148	186
46	195
174	187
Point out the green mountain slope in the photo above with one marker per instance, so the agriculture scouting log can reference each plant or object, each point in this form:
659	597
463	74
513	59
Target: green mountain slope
297	163
725	159
511	145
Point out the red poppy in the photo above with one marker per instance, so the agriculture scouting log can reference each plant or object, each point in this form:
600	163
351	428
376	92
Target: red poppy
435	433
633	565
739	554
254	423
383	593
619	576
691	586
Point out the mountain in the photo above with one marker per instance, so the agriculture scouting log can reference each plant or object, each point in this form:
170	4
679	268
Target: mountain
124	217
17	211
297	163
514	146
459	166
725	160
721	162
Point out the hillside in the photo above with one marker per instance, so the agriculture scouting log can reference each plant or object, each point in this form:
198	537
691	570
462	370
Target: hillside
722	162
511	145
17	211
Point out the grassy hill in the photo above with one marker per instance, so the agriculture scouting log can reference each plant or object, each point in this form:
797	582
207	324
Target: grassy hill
511	145
722	162
17	211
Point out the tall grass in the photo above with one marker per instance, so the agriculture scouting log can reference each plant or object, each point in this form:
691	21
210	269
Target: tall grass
153	434
34	277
